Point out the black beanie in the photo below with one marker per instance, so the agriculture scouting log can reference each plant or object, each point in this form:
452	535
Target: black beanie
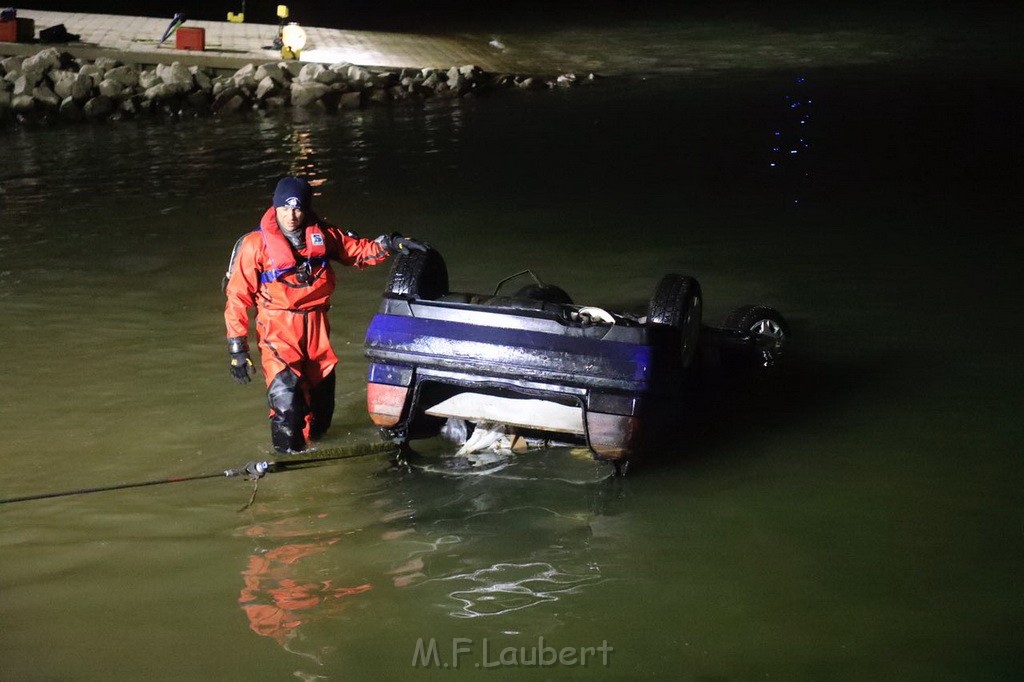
293	192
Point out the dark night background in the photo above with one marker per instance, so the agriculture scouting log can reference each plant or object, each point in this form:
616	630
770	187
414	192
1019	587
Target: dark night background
450	15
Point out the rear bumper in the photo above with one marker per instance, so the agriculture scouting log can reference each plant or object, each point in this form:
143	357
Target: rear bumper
539	373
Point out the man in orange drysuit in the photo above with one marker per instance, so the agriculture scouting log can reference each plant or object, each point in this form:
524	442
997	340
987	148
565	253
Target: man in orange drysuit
283	270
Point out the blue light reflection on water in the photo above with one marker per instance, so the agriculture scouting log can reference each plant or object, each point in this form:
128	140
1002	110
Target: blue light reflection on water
790	152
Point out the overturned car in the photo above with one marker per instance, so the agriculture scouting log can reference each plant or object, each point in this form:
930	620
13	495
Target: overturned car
542	365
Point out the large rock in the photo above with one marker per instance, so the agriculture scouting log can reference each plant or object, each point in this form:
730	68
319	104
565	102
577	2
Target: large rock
163	91
132	106
148	79
358	74
111	88
62	81
267	88
248	83
387	79
92	71
379	96
229	99
45	96
202	79
318	73
71	84
23	86
30	76
98	107
309	72
23	104
459	83
272	71
530	83
222	83
420	91
245	78
328	77
291	67
11	65
127	76
351	100
307	94
176	75
106	63
82	87
42	61
70	109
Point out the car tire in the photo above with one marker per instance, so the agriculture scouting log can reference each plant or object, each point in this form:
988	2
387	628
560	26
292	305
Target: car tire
767	325
418	274
545	292
678	302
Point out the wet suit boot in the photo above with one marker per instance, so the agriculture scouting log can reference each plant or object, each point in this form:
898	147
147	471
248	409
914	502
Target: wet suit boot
322	406
287	413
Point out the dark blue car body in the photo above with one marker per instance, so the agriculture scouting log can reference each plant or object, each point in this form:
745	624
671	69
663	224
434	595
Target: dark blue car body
543	367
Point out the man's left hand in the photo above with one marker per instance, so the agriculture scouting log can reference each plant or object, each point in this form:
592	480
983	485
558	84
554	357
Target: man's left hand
396	243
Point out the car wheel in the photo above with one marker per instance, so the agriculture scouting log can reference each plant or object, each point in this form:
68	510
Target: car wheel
767	325
545	292
418	274
677	302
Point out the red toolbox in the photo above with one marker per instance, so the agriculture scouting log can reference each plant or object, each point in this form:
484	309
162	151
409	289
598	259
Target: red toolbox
17	30
190	38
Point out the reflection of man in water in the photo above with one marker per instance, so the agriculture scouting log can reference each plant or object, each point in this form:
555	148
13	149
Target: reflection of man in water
304	570
276	597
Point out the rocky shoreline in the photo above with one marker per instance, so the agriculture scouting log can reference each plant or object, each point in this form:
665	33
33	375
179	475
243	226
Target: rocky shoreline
52	87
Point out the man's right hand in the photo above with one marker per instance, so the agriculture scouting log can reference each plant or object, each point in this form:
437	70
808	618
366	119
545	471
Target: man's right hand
241	367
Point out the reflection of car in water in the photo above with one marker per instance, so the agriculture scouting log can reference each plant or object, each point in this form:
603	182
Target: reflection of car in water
543	365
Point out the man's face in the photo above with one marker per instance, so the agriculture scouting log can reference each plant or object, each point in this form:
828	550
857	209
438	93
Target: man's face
289	218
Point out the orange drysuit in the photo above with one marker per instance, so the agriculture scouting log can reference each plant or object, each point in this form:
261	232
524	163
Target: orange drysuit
291	291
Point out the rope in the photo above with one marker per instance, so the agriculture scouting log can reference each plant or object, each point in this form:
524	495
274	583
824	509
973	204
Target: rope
252	470
252	498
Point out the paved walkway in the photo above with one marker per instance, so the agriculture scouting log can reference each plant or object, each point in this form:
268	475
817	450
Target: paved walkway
230	45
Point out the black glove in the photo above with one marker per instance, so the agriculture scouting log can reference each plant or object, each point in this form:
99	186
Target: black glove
241	366
396	243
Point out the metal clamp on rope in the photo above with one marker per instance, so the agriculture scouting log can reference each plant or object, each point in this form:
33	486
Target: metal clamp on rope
252	470
256	469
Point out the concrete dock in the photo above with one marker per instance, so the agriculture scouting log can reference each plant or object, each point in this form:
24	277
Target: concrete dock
233	45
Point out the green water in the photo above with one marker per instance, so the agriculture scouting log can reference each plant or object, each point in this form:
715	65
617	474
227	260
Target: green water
854	515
